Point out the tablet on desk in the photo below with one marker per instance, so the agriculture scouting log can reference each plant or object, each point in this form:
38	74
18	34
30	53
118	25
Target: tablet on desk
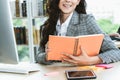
80	74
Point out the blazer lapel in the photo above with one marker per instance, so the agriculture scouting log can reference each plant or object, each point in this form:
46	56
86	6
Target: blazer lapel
74	23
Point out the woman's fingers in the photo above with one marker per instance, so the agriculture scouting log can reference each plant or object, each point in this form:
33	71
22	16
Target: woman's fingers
83	52
70	61
69	55
77	60
47	49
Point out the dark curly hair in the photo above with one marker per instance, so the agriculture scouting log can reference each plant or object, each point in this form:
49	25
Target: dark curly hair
53	11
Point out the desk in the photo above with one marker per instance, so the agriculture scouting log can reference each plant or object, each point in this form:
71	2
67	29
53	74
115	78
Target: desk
108	74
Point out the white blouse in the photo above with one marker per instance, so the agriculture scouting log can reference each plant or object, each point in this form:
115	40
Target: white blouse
62	28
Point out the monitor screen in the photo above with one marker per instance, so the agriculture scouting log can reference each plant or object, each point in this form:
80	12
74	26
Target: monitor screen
8	49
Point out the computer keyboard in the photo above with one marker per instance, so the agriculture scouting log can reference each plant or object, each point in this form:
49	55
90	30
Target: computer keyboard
115	38
23	68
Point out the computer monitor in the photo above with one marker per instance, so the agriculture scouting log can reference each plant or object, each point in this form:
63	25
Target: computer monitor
8	49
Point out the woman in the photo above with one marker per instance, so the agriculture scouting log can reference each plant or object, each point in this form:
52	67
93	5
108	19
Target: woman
69	18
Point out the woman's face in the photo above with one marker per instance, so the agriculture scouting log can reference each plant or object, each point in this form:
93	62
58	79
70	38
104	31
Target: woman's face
68	6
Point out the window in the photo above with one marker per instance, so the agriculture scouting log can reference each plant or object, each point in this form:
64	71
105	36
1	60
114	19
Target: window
106	13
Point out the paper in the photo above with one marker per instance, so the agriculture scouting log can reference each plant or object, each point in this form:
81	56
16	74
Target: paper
106	66
94	68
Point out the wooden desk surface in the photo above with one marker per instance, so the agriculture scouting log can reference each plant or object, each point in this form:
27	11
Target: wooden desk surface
107	74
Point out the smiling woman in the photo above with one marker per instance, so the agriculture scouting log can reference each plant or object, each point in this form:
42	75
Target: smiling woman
70	19
68	6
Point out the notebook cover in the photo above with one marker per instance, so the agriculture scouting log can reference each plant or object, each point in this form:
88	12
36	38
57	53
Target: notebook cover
58	45
90	43
64	44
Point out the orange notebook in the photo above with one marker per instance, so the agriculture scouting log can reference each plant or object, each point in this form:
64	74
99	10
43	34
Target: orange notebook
64	44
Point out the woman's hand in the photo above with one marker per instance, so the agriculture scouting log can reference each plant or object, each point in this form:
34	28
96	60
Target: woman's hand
46	48
82	59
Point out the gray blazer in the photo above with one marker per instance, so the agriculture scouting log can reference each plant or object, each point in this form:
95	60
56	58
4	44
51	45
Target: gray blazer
85	24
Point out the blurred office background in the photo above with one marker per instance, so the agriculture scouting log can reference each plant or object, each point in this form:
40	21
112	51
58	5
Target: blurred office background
106	12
